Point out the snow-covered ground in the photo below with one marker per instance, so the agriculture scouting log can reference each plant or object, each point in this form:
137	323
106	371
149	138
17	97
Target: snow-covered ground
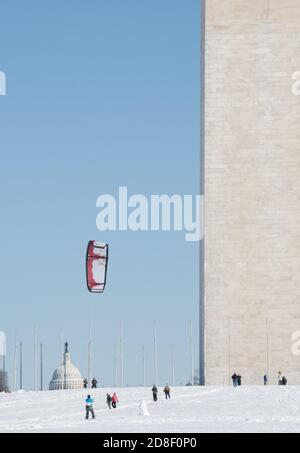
209	409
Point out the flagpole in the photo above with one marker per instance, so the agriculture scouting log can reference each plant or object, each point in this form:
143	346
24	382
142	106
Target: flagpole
90	358
121	355
41	346
229	349
173	366
144	368
192	353
15	363
155	353
268	354
116	367
21	366
35	359
61	358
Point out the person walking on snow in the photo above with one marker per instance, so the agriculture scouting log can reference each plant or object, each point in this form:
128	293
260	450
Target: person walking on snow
154	392
89	407
85	383
239	380
94	383
108	400
167	391
265	379
234	378
279	378
114	401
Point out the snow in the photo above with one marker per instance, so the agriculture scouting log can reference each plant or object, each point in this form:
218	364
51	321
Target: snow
191	409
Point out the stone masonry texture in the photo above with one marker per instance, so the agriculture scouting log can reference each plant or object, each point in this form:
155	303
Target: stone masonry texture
252	190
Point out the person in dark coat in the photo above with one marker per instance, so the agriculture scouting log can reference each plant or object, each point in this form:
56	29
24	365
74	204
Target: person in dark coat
234	378
108	400
85	383
167	391
265	379
154	392
239	380
284	380
94	383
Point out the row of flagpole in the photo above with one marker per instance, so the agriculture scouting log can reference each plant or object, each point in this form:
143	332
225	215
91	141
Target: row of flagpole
121	362
118	361
18	348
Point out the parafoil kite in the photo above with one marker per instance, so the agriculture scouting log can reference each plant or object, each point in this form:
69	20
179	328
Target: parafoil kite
96	266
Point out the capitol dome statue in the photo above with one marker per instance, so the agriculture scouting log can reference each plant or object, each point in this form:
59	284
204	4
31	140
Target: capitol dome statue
66	376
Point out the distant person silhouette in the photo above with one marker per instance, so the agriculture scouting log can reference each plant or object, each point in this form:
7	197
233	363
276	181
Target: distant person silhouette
89	407
154	392
167	391
234	378
108	400
114	401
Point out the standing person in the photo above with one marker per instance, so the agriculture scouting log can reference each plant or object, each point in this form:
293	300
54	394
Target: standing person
279	378
239	380
108	400
265	379
89	407
154	392
114	401
234	378
167	391
284	380
85	383
94	383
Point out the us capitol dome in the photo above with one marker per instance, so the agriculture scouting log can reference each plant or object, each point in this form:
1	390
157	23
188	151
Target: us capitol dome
66	376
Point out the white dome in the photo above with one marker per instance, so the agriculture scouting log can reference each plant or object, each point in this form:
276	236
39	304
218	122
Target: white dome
66	376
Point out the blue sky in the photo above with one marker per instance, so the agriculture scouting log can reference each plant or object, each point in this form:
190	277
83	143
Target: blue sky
100	94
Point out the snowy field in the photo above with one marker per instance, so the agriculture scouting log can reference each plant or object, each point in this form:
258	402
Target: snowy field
210	409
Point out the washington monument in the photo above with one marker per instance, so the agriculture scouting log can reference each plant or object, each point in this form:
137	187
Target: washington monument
250	256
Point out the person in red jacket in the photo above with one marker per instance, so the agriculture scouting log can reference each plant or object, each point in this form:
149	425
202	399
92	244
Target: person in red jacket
114	400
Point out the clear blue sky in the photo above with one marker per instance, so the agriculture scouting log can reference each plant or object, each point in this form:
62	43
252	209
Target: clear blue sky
100	94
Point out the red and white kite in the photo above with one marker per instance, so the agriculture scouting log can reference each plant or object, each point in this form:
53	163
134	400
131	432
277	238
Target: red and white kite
96	266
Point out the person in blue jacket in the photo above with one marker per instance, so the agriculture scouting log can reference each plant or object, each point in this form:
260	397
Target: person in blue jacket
89	407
